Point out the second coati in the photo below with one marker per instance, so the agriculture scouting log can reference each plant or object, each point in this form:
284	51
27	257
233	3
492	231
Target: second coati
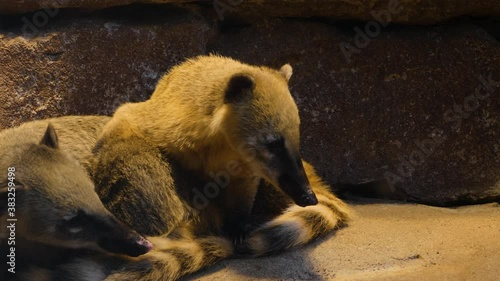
58	210
48	205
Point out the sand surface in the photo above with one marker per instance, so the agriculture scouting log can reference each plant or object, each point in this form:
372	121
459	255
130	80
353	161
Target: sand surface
388	241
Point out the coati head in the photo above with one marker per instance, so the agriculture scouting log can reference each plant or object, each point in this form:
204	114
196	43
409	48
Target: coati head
263	125
55	202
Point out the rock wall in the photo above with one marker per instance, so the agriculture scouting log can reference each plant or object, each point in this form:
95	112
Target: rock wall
415	108
401	11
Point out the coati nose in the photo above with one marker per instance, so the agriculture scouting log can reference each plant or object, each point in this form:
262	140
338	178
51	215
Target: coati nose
308	199
134	245
120	239
299	190
144	244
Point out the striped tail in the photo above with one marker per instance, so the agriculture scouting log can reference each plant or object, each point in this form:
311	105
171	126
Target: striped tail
297	226
173	258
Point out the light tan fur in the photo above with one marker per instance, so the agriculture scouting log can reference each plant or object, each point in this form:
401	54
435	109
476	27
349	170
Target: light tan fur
59	178
173	258
77	134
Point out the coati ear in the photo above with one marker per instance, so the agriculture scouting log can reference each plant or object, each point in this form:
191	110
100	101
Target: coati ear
286	71
50	137
239	88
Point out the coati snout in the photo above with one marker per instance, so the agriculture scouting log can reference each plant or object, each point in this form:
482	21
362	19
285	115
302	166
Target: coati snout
288	171
120	239
293	181
105	230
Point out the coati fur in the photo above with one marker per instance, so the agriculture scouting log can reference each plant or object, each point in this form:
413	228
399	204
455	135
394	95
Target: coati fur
53	204
212	114
143	187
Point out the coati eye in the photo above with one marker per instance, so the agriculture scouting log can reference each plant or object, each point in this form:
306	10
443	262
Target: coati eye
276	145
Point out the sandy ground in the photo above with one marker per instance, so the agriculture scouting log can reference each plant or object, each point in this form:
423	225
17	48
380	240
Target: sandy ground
388	242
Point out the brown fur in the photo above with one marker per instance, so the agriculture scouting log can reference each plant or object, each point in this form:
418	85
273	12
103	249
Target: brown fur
140	186
172	257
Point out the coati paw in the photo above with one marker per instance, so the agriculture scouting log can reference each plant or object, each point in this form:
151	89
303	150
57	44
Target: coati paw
240	232
238	236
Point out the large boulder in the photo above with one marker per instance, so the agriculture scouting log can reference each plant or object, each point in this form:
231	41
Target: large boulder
92	65
416	109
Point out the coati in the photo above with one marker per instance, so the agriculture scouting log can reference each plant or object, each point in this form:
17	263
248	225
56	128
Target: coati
49	204
228	123
219	121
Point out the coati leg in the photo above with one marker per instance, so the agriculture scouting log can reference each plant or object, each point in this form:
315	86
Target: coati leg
238	199
140	186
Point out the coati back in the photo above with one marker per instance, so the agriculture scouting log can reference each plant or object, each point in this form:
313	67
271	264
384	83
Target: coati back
143	187
46	198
